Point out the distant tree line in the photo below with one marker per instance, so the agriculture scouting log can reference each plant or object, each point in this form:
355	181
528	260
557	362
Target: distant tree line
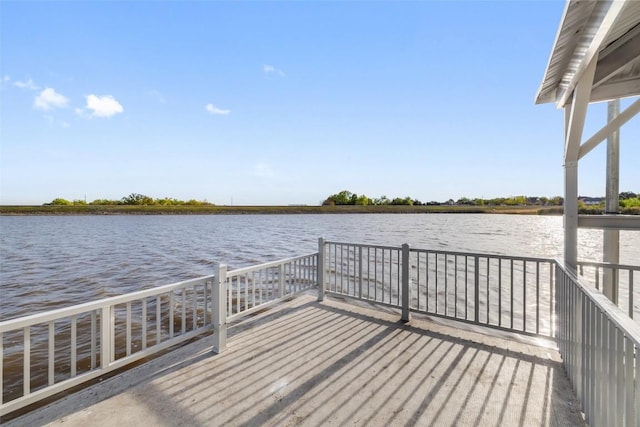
132	199
345	197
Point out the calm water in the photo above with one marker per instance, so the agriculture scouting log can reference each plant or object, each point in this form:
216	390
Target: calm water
50	262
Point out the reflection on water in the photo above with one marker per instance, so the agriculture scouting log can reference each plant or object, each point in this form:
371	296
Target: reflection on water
50	262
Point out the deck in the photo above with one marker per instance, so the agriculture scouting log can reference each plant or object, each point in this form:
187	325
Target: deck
305	362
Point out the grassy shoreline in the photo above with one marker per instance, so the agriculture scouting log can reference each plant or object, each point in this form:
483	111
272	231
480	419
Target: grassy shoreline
261	210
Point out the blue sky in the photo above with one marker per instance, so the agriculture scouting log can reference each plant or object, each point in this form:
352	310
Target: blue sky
284	102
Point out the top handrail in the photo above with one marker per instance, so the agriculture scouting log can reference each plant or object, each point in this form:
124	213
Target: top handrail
47	316
363	245
608	265
485	255
252	268
446	252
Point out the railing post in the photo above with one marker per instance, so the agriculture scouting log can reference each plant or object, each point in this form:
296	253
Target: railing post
106	326
476	287
219	304
321	284
406	289
281	281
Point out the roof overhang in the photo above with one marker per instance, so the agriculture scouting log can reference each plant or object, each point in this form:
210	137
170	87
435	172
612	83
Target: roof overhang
607	31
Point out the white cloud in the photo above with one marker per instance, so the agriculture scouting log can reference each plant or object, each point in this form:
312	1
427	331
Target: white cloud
6	78
212	109
102	106
270	69
263	170
29	84
49	99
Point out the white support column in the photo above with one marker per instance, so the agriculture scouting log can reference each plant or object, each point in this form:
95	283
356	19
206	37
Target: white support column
575	115
406	286
320	273
611	242
219	297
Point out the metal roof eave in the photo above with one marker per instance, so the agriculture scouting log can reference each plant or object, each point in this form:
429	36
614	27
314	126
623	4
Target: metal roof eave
606	29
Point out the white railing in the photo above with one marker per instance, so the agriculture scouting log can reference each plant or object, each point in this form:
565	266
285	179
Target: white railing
600	348
627	294
49	352
250	288
512	293
46	353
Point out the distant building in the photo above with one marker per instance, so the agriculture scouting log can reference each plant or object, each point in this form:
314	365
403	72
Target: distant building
591	201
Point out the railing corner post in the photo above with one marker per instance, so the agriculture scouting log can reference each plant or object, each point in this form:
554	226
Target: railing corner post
220	309
406	289
320	274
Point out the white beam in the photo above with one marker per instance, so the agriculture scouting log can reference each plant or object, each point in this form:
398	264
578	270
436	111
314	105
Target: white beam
611	222
575	115
578	113
609	128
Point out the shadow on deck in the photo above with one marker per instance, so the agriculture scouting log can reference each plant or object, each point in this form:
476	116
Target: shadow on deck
310	363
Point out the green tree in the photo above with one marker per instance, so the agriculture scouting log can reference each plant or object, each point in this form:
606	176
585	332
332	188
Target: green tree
363	200
344	197
383	200
407	201
137	199
61	202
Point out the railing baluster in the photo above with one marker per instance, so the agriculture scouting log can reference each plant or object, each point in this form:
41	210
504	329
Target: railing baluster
418	279
26	367
476	286
158	319
194	296
537	297
620	376
511	294
455	287
631	297
632	408
466	287
143	320
360	272
488	291
74	345
446	282
524	296
93	339
499	291
51	353
183	310
171	314
128	335
436	277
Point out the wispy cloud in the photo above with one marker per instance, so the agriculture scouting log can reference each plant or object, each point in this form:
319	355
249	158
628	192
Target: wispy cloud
271	70
48	99
212	109
29	84
263	170
157	96
101	106
53	122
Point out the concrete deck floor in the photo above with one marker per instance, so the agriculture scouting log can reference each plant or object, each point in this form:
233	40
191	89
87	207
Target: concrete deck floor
332	363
